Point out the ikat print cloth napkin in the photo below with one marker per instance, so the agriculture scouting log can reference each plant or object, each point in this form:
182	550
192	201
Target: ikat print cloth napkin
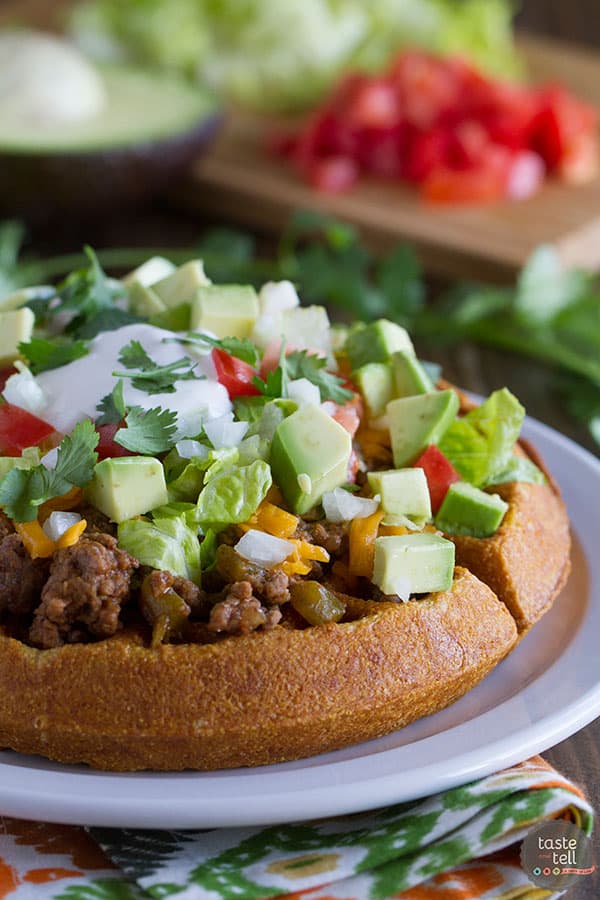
462	844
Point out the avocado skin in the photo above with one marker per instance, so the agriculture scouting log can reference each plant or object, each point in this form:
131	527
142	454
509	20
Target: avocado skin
39	186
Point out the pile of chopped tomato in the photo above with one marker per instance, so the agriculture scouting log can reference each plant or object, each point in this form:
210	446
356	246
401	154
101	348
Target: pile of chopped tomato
460	135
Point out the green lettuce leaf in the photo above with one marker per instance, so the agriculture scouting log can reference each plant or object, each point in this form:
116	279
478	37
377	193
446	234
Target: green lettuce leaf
480	444
233	494
165	543
186	478
519	468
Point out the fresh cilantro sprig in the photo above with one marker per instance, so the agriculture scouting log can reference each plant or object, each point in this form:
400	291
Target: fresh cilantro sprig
301	364
22	491
145	431
150	376
148	431
241	348
276	382
42	355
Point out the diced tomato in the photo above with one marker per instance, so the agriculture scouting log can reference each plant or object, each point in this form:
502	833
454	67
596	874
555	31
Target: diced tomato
484	183
107	447
20	429
382	150
374	104
580	162
440	474
428	87
469	145
347	416
560	124
333	174
427	152
234	374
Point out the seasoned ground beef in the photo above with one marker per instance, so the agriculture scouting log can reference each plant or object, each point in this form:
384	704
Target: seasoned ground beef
97	521
6	526
84	592
269	585
332	536
241	612
21	578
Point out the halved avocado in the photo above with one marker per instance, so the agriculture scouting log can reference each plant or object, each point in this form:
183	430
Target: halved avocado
151	128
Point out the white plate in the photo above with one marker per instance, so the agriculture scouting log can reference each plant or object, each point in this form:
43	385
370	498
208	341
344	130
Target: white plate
546	690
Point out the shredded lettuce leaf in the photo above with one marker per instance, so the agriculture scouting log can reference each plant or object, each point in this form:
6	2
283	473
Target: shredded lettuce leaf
168	543
233	495
480	444
186	477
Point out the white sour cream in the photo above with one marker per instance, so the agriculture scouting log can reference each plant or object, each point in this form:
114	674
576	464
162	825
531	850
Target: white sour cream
74	391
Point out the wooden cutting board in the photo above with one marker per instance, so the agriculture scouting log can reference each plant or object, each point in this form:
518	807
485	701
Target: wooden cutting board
239	183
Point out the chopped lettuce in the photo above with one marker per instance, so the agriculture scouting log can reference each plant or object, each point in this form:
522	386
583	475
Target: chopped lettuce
186	477
286	54
519	468
164	543
480	444
234	494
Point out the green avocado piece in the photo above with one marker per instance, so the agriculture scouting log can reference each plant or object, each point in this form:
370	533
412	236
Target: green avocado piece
151	271
127	486
376	384
375	342
416	422
420	562
16	325
181	286
410	377
228	310
404	492
144	301
468	510
309	456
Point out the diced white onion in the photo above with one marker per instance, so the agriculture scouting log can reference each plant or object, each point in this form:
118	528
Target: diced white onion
58	522
342	506
187	449
275	296
23	390
304	483
402	587
329	407
223	432
264	549
50	458
303	391
190	424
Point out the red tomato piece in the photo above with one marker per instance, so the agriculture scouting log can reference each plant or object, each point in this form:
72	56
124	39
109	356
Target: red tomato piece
484	183
580	162
440	474
427	152
107	447
234	374
429	87
374	104
20	429
333	174
561	121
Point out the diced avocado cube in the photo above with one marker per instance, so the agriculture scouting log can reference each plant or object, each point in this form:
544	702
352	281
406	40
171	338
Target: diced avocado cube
182	284
376	342
415	563
404	492
16	325
153	270
228	310
416	422
410	377
376	383
309	456
176	318
128	486
144	301
468	510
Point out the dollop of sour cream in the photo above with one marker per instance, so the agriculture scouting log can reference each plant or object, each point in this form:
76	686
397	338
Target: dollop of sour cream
46	81
74	391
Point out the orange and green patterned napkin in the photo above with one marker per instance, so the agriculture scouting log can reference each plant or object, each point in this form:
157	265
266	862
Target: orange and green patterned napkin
462	844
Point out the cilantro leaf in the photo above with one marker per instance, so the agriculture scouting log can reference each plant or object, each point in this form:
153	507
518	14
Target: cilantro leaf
87	292
301	364
112	406
42	355
243	349
151	377
108	319
22	491
148	431
276	382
